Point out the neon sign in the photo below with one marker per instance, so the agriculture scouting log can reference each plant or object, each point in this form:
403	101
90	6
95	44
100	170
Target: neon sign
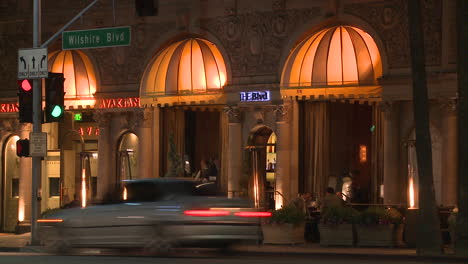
257	96
8	108
120	102
88	131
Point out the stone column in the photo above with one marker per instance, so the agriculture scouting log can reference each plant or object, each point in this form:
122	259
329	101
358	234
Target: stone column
143	125
156	132
391	181
25	183
234	153
294	151
283	158
450	154
105	180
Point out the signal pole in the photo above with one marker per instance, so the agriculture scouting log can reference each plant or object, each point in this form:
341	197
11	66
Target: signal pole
37	127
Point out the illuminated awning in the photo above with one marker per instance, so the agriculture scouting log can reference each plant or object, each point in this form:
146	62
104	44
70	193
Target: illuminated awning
335	61
191	71
80	78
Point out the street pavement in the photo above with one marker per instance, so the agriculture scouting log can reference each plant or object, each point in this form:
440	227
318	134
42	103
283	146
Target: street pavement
10	243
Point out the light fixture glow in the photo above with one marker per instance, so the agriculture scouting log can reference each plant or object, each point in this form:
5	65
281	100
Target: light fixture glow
83	188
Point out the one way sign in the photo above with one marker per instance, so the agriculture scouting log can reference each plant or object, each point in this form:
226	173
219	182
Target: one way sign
32	63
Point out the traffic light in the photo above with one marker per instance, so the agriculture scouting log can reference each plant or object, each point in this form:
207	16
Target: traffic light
54	108
22	148
25	100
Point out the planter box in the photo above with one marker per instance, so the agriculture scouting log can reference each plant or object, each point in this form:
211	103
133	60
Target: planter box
336	235
283	233
375	235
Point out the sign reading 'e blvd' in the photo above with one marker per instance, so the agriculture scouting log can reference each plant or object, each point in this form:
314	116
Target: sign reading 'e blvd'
96	38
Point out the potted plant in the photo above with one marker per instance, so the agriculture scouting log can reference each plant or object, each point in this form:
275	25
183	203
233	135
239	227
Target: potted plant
285	226
336	226
377	226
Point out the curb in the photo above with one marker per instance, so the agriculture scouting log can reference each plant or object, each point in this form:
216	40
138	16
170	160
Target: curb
278	253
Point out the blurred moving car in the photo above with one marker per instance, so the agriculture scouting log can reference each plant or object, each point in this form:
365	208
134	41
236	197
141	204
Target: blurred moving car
157	215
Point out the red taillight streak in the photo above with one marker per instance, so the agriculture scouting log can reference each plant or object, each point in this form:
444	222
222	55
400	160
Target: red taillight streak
206	213
50	220
253	214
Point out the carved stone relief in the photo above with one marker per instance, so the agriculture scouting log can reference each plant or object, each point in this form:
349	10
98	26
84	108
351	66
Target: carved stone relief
123	65
233	113
102	118
245	37
449	106
281	113
390	20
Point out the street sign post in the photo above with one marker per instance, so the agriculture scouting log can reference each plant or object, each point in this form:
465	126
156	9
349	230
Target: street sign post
32	63
96	38
38	144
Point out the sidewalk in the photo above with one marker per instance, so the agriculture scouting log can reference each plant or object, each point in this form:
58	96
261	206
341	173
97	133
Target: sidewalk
19	243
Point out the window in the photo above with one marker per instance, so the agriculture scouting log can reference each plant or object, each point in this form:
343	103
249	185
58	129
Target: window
54	187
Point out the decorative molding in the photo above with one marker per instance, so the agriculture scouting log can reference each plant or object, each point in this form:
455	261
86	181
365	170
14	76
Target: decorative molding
102	118
143	118
449	106
281	113
390	20
233	113
10	125
259	115
245	37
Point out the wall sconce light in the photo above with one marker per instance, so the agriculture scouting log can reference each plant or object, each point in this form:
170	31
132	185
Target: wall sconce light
362	153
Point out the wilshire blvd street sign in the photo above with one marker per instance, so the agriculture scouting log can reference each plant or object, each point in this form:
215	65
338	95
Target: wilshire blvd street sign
96	38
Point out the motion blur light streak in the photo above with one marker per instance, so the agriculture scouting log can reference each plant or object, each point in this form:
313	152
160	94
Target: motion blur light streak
83	188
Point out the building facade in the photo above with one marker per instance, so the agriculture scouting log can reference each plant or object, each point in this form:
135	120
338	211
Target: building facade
267	98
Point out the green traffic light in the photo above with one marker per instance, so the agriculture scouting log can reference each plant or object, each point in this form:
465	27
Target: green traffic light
57	111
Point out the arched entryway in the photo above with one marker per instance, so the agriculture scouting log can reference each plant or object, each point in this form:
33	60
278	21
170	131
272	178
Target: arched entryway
127	157
9	185
78	166
334	74
261	155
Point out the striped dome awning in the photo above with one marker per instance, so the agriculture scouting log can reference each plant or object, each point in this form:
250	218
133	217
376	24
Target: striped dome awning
337	56
192	68
80	78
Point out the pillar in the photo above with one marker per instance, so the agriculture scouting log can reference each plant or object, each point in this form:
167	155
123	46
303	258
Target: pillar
25	183
156	135
283	158
234	151
105	180
145	147
391	181
294	151
450	155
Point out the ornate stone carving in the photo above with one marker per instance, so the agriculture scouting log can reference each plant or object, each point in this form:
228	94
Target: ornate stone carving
279	5
143	118
102	118
281	113
230	7
449	106
390	20
10	125
233	113
259	116
124	65
251	55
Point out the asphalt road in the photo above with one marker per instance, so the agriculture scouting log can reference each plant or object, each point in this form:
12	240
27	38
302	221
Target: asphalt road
212	258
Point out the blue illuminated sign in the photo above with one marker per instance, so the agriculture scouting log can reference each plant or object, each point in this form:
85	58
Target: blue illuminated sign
257	96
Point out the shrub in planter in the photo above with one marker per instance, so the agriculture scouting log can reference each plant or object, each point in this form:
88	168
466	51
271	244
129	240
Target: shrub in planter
285	226
336	226
376	226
